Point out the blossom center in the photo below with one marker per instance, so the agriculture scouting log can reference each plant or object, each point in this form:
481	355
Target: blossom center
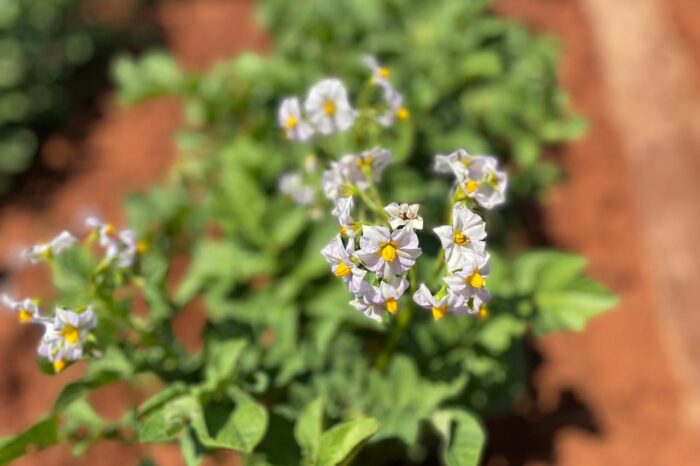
388	251
392	305
343	230
59	365
24	316
383	72
291	122
71	334
472	186
461	239
475	280
439	312
342	270
329	108
364	161
483	312
403	114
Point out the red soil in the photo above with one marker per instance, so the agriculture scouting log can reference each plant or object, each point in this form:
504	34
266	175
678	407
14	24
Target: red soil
620	368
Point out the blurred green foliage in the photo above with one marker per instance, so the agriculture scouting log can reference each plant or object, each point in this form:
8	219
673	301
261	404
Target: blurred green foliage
44	46
288	374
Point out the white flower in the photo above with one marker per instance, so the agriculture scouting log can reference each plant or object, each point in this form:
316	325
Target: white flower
376	300
27	309
352	171
339	256
291	121
471	283
292	185
328	107
380	74
343	212
388	253
395	109
448	304
64	338
121	247
404	215
463	241
449	163
482	181
51	249
359	167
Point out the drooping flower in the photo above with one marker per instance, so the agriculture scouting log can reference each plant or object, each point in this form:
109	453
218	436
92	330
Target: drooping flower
328	107
463	241
292	122
27	310
395	110
65	336
343	212
404	215
388	253
450	303
53	248
340	258
471	283
376	300
292	185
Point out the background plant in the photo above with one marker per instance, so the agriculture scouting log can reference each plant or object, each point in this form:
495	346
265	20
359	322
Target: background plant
52	58
286	375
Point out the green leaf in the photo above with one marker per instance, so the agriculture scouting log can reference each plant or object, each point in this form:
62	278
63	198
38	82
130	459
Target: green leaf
545	270
341	443
75	390
41	435
222	359
498	332
164	423
309	428
463	438
244	428
571	308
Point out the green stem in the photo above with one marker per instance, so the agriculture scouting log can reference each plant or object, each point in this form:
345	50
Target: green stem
402	321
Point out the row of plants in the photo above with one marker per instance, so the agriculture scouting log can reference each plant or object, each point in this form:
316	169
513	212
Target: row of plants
405	161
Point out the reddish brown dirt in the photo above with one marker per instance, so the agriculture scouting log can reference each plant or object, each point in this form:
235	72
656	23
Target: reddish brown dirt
620	368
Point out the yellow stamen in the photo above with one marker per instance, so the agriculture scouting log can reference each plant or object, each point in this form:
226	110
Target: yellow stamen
466	161
291	122
392	305
403	114
329	108
24	316
439	312
59	365
364	161
347	190
46	254
141	247
460	238
475	280
342	270
343	230
109	230
389	251
472	186
383	72
70	334
483	312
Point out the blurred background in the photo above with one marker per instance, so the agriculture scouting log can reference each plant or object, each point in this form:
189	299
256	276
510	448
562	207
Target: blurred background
624	392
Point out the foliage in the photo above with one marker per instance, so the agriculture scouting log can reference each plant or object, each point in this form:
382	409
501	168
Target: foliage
46	47
289	372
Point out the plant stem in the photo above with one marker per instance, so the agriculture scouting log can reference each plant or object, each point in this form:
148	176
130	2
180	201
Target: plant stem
403	320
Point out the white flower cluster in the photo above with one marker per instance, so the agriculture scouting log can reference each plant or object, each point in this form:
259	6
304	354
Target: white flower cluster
477	177
353	172
121	247
65	333
327	108
375	273
467	264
